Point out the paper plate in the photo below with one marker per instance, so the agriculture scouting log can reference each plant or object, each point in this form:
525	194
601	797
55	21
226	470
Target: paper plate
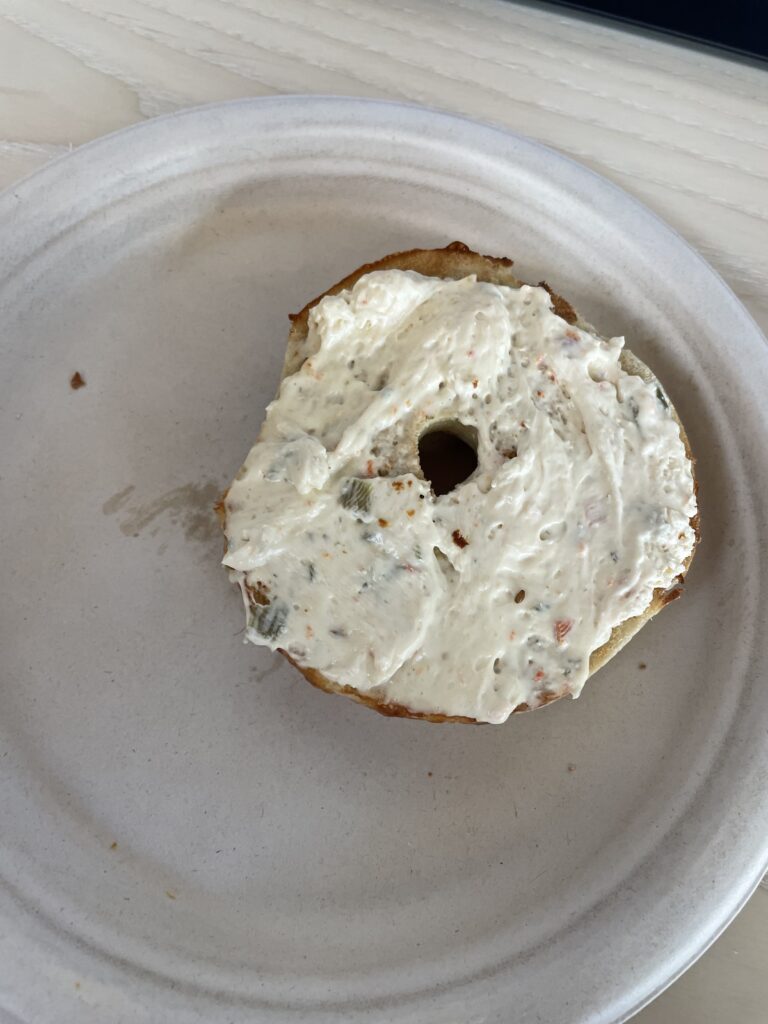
190	833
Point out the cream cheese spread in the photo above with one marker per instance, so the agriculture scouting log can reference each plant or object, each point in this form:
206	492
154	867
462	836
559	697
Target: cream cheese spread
495	594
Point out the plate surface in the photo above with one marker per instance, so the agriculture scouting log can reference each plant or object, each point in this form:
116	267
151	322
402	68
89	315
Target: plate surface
190	833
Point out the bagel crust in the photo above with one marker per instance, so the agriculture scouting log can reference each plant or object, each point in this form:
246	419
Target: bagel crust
373	672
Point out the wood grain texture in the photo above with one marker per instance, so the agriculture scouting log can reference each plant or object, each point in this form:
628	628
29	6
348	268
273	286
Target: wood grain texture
684	131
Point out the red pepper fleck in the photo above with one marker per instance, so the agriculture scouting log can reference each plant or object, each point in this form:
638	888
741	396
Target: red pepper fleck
369	470
383	522
77	380
539	676
410	483
410	512
562	629
397	484
459	539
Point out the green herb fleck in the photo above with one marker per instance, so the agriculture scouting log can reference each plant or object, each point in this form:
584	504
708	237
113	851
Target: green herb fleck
356	495
270	620
311	571
662	397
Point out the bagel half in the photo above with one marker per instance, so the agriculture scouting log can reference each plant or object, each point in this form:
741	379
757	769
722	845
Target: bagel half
458	261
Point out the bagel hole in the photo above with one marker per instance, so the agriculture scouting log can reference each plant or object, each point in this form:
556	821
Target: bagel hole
448	455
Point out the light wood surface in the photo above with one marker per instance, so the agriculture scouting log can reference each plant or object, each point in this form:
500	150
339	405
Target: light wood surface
684	130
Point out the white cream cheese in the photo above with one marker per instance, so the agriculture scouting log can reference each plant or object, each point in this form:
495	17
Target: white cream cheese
492	595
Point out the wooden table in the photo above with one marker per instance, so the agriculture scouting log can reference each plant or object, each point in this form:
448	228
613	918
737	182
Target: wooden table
685	131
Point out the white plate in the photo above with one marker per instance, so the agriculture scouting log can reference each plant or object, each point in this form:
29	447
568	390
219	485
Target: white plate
190	833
